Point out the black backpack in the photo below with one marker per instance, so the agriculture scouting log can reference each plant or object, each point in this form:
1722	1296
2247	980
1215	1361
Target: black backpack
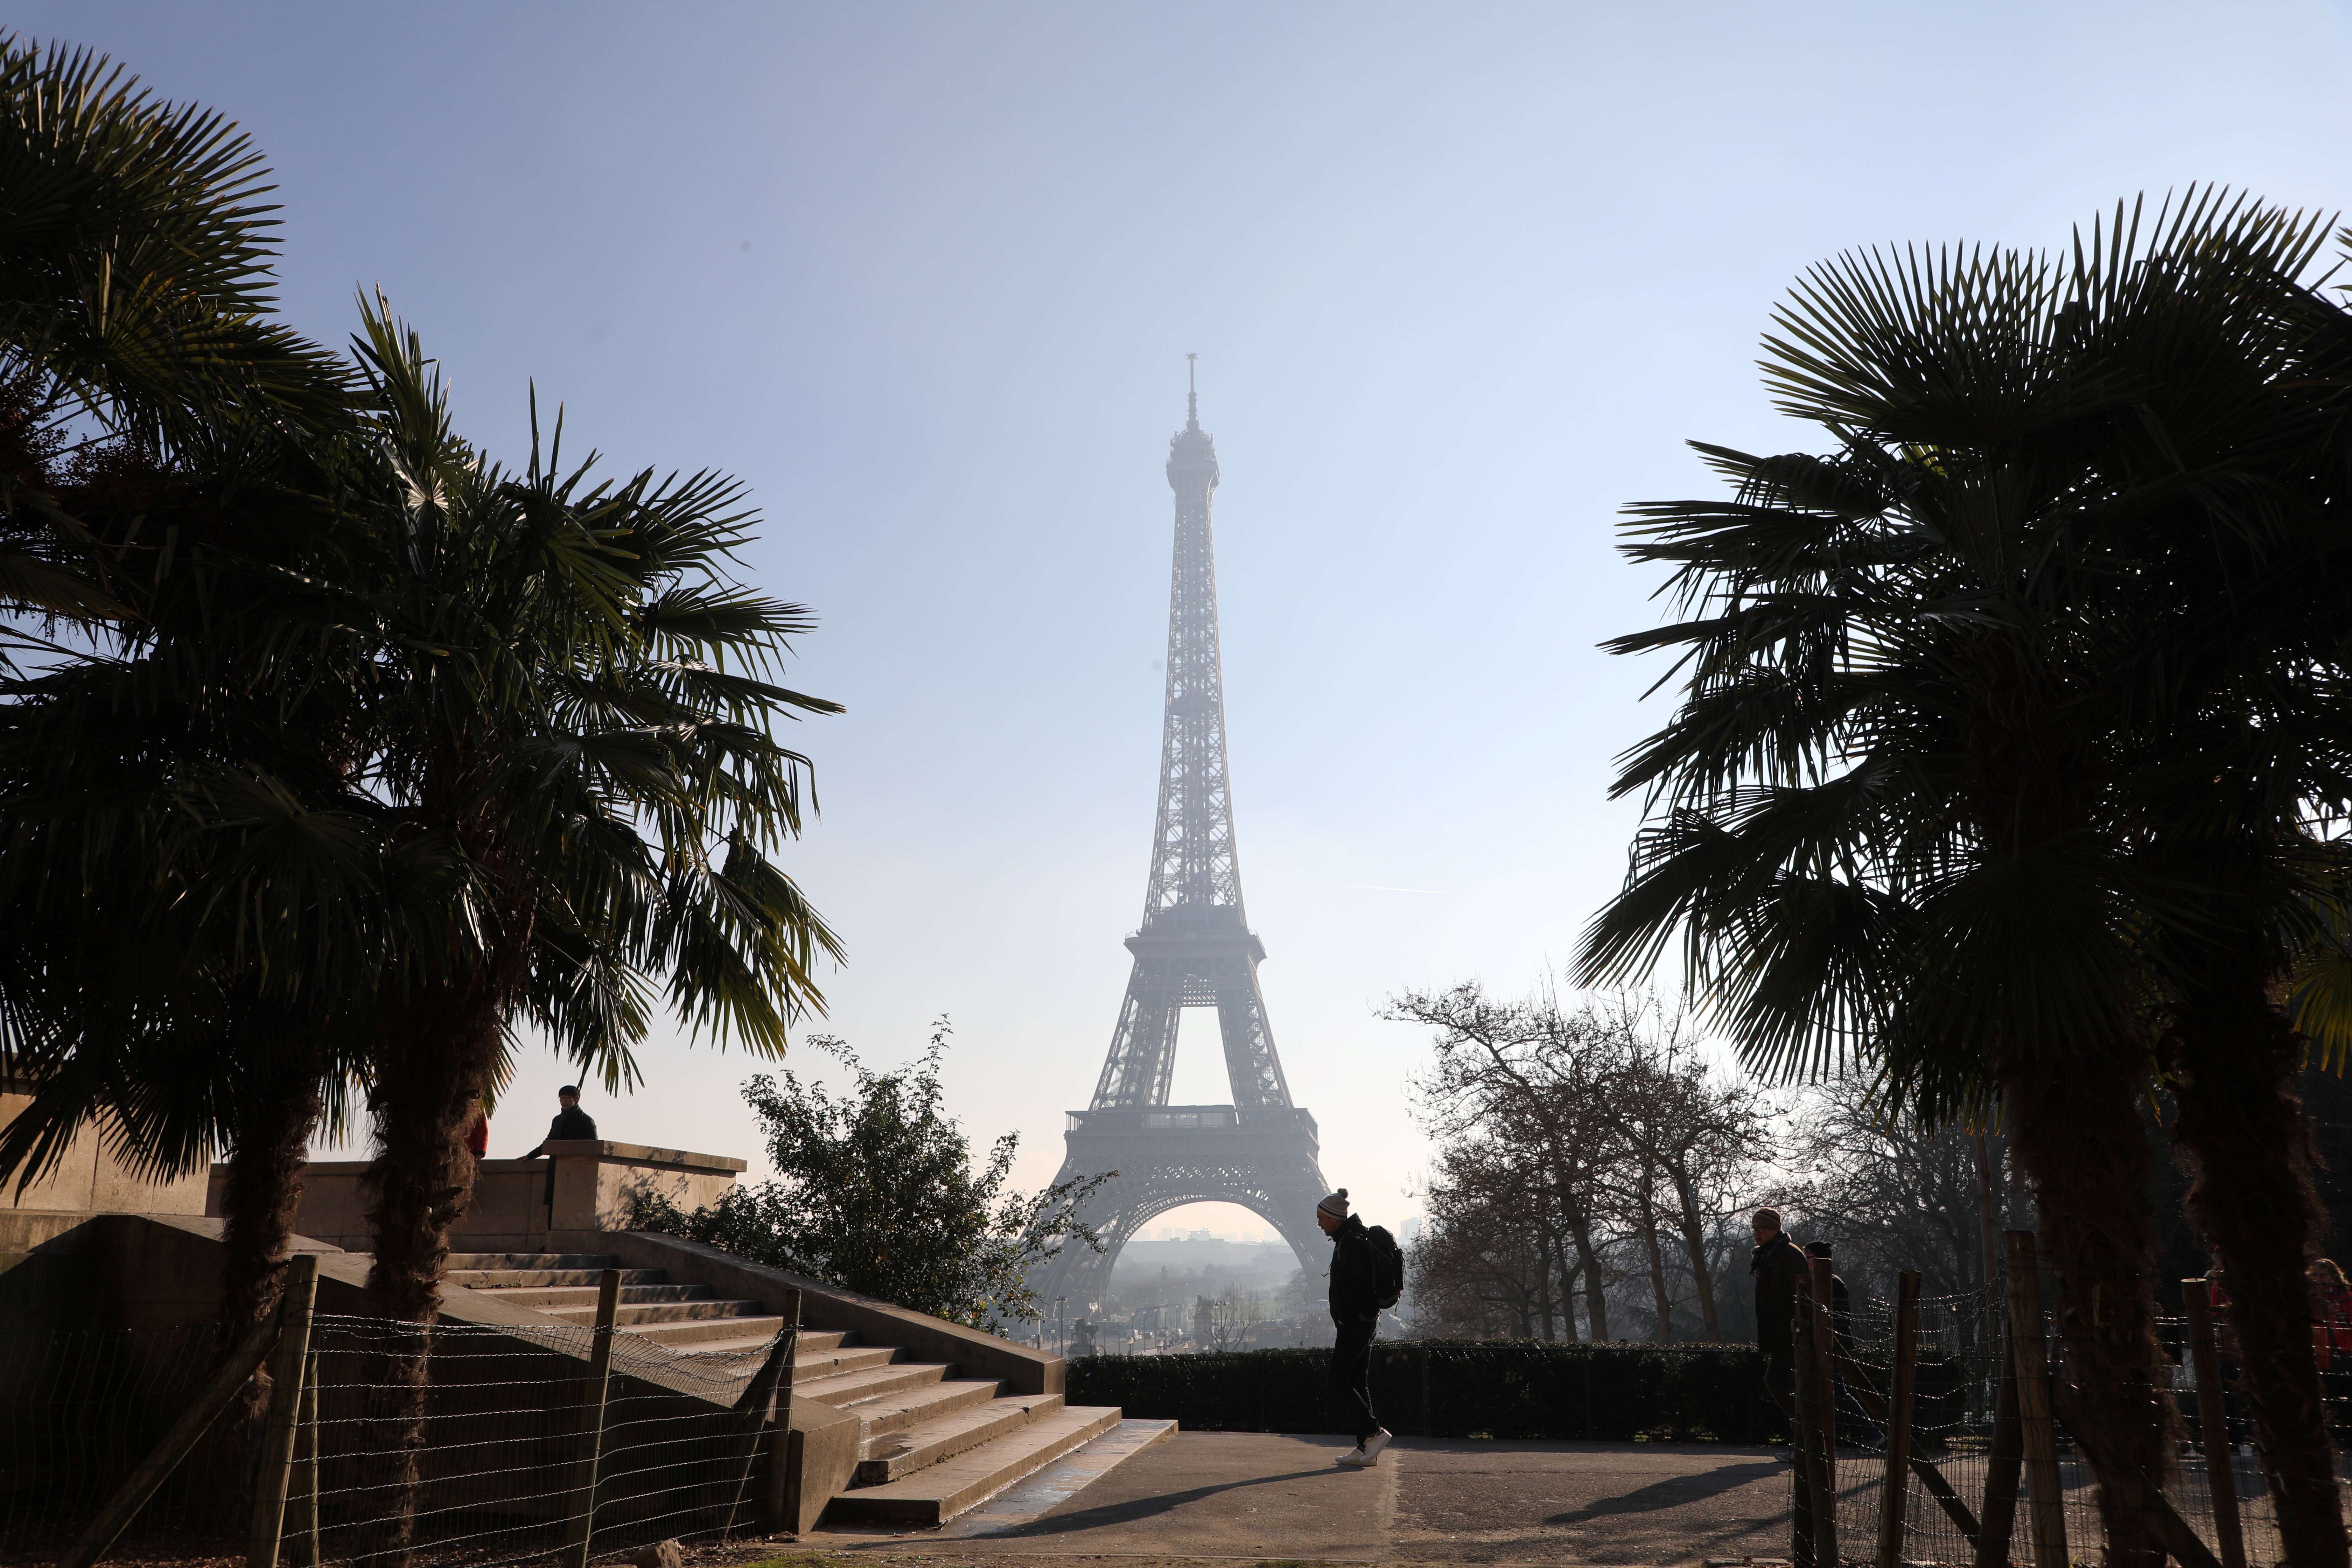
1388	1267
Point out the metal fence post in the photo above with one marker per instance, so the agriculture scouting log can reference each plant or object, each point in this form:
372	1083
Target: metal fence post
581	1519
2045	1494
1895	1491
287	1365
2213	1419
1825	1340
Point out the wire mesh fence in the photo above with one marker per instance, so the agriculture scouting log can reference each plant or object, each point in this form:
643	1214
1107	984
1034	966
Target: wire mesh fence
1974	1489
408	1443
84	1406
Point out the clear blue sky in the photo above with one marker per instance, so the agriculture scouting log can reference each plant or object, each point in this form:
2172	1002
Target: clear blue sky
1462	280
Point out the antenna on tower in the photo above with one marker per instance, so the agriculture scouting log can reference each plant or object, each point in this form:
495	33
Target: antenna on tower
1191	391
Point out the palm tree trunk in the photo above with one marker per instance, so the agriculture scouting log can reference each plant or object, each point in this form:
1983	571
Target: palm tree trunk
2077	1133
435	1063
263	1194
259	1203
2242	1138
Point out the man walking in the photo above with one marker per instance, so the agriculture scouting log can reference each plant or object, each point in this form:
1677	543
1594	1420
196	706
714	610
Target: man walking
1355	1309
1778	1264
571	1121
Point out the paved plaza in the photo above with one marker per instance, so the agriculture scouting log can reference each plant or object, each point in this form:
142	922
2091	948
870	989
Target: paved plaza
1259	1497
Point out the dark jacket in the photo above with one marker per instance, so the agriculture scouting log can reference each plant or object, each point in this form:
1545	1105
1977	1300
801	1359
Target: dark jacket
1777	1267
572	1124
1354	1288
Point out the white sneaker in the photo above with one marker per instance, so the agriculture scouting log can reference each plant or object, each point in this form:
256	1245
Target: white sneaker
1355	1457
1374	1443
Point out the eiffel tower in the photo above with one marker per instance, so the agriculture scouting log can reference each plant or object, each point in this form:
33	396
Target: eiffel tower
1194	949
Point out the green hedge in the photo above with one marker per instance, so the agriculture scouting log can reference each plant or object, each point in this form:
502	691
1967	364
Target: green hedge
1458	1388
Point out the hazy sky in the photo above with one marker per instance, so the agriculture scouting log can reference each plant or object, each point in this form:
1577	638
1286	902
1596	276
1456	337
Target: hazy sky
1462	280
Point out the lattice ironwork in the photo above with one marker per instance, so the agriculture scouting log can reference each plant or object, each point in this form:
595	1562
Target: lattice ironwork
1193	949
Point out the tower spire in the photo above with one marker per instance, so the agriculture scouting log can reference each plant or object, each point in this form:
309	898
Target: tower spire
1192	391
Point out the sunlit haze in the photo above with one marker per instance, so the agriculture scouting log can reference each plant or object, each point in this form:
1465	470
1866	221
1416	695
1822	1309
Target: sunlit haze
1462	280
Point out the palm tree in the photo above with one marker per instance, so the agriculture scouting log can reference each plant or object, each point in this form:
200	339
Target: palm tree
569	697
2248	764
1906	813
134	290
146	396
565	743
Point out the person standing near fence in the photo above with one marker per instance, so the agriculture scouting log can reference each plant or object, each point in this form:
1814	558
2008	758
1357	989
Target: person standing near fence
1776	1267
571	1121
1356	1291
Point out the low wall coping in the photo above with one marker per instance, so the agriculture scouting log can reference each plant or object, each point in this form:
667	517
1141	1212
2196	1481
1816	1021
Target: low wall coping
604	1152
637	1154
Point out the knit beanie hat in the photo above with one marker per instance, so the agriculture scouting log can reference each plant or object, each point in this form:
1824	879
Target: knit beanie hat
1336	1205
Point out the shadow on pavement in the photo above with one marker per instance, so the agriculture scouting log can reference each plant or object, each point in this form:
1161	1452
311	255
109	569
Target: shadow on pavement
1144	1507
1671	1493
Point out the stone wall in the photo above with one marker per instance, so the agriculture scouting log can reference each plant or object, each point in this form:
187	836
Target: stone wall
90	1179
510	1211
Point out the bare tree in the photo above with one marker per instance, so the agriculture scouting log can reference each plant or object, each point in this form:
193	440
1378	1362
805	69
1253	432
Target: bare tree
1685	1132
1532	1077
1890	1195
1606	1127
1487	1265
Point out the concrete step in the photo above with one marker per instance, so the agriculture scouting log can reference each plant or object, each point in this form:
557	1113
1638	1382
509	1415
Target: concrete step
845	1390
584	1296
814	1339
631	1315
823	1342
809	1364
549	1278
938	1493
591	1261
699	1333
896	1413
894	1456
1026	1501
718	1347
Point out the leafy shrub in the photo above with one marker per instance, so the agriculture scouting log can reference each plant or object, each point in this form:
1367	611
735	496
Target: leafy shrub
876	1191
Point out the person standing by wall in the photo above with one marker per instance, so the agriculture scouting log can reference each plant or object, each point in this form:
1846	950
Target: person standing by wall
1356	1310
570	1121
1776	1267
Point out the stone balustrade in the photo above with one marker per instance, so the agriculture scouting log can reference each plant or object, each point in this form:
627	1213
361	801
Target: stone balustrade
593	1180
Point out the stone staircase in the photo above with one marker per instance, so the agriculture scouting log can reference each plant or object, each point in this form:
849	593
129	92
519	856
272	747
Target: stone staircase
562	1286
931	1444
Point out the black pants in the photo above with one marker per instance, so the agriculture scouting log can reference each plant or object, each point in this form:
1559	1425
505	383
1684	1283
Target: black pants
1351	1378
